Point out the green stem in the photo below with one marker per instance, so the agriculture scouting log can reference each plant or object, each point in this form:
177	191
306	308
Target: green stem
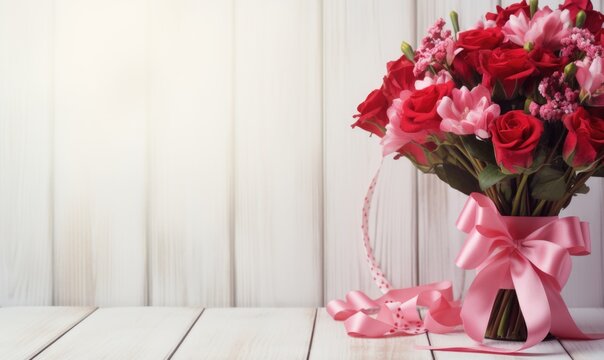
518	196
539	208
464	163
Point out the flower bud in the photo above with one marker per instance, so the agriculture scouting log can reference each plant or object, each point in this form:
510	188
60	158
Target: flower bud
581	16
454	21
569	71
534	6
408	51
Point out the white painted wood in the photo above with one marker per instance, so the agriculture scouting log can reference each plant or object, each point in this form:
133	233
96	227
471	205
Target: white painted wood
590	207
278	136
550	349
100	151
125	333
355	59
25	331
25	147
330	341
590	321
439	205
244	333
191	148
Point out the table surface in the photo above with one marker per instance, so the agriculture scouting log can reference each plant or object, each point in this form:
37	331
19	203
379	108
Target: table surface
234	333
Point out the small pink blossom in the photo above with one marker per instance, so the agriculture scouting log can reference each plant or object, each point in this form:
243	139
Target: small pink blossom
442	77
560	98
580	40
590	75
395	137
546	29
468	112
436	48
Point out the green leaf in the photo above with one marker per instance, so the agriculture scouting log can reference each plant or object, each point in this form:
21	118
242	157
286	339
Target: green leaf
490	176
548	184
480	149
584	189
458	178
599	172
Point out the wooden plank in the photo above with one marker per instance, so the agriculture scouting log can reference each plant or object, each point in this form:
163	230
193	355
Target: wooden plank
25	152
278	136
439	205
354	63
25	331
550	349
590	321
245	333
125	333
330	341
190	111
100	152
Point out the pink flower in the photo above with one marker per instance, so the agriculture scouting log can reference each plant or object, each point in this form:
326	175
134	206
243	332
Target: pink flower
468	112
442	77
395	137
546	29
435	48
590	75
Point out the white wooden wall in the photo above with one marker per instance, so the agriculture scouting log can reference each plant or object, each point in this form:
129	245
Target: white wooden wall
198	152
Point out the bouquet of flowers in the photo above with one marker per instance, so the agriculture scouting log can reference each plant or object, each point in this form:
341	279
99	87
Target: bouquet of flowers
512	109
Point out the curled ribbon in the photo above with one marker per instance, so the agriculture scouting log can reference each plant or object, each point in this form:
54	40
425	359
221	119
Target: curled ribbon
394	313
528	254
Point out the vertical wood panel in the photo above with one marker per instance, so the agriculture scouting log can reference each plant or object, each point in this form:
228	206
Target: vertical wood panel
439	205
100	119
585	286
191	152
359	38
278	215
25	145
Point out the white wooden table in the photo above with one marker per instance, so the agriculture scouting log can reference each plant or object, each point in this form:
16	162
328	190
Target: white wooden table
231	333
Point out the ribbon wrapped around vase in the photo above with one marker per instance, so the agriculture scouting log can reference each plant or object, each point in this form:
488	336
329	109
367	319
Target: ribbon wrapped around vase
528	254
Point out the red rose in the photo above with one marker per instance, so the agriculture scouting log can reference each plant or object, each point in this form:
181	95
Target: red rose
464	67
419	110
546	61
372	113
400	77
480	39
593	19
503	14
509	67
515	136
585	139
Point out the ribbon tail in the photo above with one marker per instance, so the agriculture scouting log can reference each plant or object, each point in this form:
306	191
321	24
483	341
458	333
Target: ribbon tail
563	325
479	300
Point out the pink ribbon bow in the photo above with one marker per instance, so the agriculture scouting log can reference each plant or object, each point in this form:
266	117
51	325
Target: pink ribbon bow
397	311
528	254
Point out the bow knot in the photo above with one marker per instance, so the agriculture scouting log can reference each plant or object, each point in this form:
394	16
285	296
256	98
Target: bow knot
528	254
